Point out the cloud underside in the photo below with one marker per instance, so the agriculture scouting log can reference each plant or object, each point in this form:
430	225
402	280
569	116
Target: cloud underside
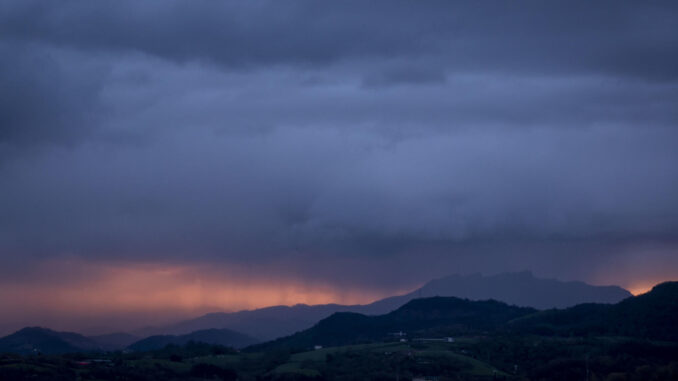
307	134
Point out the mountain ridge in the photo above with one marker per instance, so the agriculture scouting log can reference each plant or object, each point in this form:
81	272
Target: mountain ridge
438	316
520	288
31	340
223	337
651	315
647	316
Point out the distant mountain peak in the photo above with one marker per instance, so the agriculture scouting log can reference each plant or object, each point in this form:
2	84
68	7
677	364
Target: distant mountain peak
522	289
44	340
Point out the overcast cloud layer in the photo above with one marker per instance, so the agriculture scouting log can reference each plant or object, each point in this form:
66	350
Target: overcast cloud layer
329	140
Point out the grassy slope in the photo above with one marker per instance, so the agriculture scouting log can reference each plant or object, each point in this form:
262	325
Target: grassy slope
429	352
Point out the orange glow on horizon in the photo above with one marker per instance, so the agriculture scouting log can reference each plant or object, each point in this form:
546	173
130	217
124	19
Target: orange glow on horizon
70	293
641	288
637	277
102	289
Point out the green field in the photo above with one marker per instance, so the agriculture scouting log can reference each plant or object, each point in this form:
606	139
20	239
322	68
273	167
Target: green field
468	358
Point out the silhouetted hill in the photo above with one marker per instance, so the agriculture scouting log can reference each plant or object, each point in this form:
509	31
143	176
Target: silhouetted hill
451	311
652	315
224	337
41	340
438	316
522	289
114	341
263	324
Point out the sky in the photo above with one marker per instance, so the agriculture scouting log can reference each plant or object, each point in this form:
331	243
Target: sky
163	159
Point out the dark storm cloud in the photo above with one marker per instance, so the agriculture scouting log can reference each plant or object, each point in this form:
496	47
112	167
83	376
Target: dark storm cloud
43	100
616	38
316	136
404	75
245	197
